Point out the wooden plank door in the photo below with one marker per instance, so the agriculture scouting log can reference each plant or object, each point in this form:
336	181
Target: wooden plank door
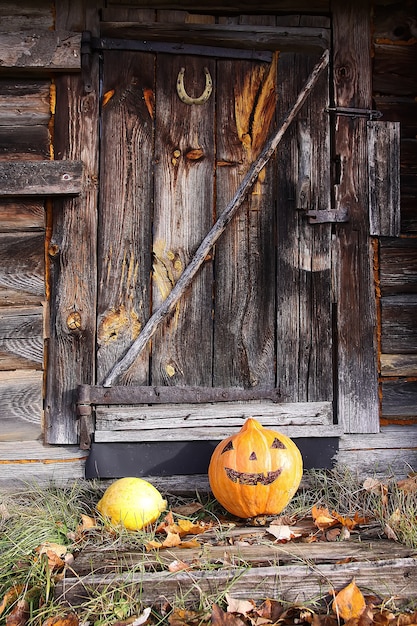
259	313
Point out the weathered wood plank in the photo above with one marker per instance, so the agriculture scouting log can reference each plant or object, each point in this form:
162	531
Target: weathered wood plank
73	246
394	69
392	452
358	403
398	266
22	215
40	178
22	263
384	178
20	398
21	338
399	399
399	324
210	415
183	214
244	257
301	582
24	102
26	14
23	463
126	182
208	434
24	143
262	553
398	364
40	50
235	6
252	37
303	276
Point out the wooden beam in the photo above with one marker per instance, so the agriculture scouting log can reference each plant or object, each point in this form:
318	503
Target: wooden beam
40	178
40	50
236	6
384	178
248	37
358	403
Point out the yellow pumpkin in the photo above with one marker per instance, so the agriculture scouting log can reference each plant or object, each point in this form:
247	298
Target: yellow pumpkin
256	471
132	502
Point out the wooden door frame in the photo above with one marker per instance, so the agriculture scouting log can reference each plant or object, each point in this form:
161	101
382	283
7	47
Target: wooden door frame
72	321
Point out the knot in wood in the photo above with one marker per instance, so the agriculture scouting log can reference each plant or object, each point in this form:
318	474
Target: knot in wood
74	321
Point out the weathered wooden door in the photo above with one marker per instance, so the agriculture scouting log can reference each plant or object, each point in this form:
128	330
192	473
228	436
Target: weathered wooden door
258	315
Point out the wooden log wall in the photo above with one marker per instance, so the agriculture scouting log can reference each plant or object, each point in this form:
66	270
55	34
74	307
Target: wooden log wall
395	91
25	114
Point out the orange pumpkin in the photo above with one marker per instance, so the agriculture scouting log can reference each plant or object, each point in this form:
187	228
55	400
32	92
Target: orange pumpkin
256	471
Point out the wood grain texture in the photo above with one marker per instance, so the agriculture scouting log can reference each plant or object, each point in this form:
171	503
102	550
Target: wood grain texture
40	50
27	464
236	6
303	275
26	14
40	178
398	364
399	324
394	69
295	582
399	399
22	215
183	214
21	338
241	36
73	247
24	102
24	143
21	398
358	404
126	200
22	263
384	178
398	266
244	256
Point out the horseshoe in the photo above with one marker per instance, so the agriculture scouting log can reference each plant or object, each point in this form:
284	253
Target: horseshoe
183	95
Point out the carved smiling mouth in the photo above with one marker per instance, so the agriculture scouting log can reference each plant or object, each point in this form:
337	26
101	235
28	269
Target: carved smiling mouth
245	478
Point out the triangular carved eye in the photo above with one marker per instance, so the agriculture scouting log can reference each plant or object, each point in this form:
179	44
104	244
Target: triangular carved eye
227	447
277	444
253	457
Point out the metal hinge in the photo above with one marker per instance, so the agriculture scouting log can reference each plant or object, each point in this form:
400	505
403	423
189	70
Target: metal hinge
372	114
326	217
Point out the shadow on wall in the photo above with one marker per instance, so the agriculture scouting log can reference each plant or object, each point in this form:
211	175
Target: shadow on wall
171	458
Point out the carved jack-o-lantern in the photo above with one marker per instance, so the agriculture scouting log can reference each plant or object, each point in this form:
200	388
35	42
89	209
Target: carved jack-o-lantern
256	471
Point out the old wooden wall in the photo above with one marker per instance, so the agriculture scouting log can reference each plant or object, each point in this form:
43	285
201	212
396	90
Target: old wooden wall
395	90
27	112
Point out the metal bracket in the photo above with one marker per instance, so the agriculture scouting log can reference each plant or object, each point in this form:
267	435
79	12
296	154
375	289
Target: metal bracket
86	52
327	217
372	114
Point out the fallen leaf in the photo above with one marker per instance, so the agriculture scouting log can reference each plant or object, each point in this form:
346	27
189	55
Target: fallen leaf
171	540
142	618
178	566
188	509
108	96
68	619
10	596
376	486
283	533
192	543
190	528
333	534
323	518
390	533
235	605
270	610
19	614
349	603
184	617
221	618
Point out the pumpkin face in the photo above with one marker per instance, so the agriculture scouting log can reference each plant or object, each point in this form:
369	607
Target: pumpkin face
256	471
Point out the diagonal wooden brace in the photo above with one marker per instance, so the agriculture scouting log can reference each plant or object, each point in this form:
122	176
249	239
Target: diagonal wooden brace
216	231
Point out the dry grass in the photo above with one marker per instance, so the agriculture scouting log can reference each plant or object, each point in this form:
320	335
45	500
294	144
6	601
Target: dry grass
34	516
